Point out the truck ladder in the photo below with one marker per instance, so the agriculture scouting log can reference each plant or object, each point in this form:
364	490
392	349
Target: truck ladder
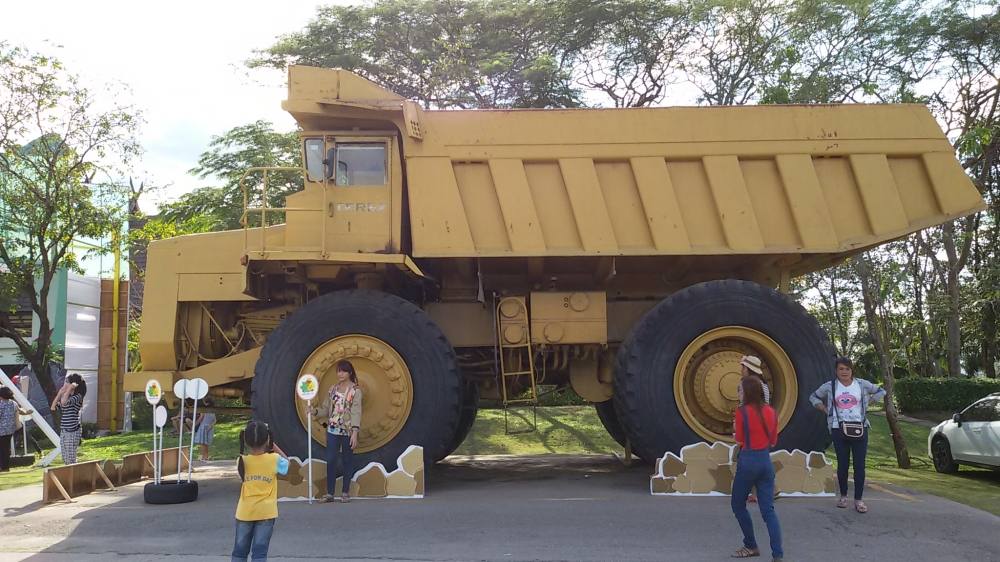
517	358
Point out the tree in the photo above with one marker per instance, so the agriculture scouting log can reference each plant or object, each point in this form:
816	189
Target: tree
875	286
228	157
464	54
54	140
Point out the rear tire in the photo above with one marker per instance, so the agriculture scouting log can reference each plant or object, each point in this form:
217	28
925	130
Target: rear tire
644	378
434	414
943	461
609	419
470	408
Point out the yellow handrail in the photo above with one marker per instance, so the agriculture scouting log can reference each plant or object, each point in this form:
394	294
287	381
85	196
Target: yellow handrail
264	208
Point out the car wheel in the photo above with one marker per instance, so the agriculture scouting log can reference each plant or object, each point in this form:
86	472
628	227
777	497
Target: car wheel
943	461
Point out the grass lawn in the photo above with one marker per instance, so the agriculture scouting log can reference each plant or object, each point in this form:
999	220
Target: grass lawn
576	429
226	446
972	486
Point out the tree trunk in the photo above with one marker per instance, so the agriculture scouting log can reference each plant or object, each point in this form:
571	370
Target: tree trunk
869	295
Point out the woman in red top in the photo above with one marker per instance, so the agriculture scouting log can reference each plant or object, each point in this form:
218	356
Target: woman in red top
756	427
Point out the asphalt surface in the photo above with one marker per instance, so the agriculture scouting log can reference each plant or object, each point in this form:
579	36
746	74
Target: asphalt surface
496	508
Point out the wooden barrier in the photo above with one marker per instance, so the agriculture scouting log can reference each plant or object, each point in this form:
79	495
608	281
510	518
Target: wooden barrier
72	480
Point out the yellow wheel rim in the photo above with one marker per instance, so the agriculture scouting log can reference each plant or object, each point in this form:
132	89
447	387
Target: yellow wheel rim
707	378
385	382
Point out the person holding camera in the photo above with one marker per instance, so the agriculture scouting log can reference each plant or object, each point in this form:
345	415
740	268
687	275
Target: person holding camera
257	509
69	400
845	401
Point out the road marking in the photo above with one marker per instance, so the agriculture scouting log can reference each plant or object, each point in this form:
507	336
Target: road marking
901	495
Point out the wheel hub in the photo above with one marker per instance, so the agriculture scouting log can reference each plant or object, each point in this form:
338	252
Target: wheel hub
708	375
386	385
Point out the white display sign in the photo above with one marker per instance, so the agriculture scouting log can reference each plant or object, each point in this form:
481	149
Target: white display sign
160	416
307	387
154	392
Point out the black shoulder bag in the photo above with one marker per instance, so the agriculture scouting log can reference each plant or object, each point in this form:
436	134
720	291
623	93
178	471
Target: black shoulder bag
851	430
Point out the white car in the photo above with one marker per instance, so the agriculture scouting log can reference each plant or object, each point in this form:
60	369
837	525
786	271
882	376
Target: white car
971	437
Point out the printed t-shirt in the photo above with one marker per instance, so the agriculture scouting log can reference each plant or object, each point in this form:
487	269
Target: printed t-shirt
259	493
847	400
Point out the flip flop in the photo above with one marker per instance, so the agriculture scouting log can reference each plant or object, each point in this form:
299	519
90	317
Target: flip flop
745	552
860	507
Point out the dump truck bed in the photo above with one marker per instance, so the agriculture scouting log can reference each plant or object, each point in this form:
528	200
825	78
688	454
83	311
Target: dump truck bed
713	180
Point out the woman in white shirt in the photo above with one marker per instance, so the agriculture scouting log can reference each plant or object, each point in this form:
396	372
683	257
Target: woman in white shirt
845	401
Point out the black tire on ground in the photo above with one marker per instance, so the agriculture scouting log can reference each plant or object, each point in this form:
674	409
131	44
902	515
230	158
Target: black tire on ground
941	455
170	492
437	394
609	419
644	386
470	407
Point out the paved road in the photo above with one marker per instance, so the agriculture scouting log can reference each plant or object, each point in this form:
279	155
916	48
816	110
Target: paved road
554	508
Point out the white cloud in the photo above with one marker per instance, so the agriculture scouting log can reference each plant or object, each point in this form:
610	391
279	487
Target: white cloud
182	61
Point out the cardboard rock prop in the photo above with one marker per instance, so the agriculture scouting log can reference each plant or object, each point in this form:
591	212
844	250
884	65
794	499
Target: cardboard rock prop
708	470
371	481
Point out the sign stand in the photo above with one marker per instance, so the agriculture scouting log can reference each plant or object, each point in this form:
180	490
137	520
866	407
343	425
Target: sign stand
159	420
306	387
197	389
154	393
180	391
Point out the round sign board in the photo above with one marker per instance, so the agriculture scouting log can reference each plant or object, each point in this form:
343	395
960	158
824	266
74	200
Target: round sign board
160	416
197	389
181	388
154	392
307	387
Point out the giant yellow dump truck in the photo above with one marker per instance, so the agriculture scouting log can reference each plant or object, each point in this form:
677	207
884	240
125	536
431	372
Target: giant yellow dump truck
452	256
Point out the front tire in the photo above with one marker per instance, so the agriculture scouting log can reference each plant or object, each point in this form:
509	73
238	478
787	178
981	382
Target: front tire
406	368
943	461
678	370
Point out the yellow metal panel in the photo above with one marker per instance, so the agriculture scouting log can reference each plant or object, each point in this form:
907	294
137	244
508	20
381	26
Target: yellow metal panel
770	204
479	198
193	287
589	206
739	222
439	222
842	198
696	204
879	193
565	317
954	191
514	194
659	202
628	219
805	197
552	204
915	191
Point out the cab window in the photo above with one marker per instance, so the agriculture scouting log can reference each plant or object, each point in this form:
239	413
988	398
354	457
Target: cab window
314	159
361	163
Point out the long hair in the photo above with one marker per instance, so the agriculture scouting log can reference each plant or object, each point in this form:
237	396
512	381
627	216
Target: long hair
346	366
753	392
257	435
81	385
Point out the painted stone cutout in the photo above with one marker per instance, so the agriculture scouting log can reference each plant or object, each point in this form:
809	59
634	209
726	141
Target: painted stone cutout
372	481
708	470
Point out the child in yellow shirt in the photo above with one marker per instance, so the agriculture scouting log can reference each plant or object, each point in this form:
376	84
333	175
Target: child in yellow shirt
258	505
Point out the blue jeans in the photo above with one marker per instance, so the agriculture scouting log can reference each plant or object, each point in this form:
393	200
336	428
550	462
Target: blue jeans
338	447
252	538
847	447
755	469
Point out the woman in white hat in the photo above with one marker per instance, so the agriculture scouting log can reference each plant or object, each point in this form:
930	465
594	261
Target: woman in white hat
752	364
